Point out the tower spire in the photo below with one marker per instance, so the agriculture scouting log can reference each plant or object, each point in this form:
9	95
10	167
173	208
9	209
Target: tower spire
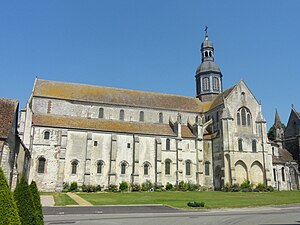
277	121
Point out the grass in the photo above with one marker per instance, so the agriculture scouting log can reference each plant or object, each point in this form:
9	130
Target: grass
60	199
180	199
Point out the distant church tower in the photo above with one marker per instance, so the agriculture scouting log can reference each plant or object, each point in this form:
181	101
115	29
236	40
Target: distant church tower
208	74
278	130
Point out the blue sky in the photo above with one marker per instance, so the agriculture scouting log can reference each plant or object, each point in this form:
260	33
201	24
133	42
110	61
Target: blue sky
152	46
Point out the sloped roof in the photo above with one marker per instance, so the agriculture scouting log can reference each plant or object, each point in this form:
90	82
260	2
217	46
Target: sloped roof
107	125
219	100
116	96
284	156
1	145
8	110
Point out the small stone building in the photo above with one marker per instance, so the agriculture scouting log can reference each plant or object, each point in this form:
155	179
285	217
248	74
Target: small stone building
14	156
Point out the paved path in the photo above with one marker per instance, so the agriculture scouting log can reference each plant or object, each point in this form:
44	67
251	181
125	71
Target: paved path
79	200
47	200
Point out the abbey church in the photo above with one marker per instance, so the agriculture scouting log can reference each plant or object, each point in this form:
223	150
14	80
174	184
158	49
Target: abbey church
102	135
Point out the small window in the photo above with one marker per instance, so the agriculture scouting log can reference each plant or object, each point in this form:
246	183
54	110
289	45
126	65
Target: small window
101	113
273	151
95	143
99	167
206	54
215	84
240	144
274	174
41	165
74	166
168	144
168	167
253	145
46	135
161	118
146	169
128	145
188	167
206	168
122	114
123	168
141	116
282	174
205	84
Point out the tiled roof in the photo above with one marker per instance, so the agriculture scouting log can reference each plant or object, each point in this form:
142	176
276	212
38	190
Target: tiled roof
107	125
8	110
220	98
117	96
284	156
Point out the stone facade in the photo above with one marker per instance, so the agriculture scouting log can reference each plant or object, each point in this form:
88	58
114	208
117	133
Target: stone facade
101	136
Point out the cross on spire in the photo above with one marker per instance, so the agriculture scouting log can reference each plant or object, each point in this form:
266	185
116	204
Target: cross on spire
206	32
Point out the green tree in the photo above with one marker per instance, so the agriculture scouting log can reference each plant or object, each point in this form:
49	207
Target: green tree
9	211
271	132
24	202
37	203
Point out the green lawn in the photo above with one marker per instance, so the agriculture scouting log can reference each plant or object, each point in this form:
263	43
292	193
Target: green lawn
212	199
60	199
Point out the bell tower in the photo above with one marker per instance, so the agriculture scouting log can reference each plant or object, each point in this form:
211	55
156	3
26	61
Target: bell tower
208	74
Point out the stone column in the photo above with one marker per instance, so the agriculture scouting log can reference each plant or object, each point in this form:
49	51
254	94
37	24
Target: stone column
61	161
179	161
113	156
157	169
135	165
87	169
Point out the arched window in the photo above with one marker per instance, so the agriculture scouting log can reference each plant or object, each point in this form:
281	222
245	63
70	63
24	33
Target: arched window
41	165
168	167
206	54
122	114
101	113
146	169
248	119
141	116
243	113
46	135
205	84
282	174
253	145
274	174
207	168
74	166
240	145
215	84
238	118
99	166
161	118
188	167
168	144
123	167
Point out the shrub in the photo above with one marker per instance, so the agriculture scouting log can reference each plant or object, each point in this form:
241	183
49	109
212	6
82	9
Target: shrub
270	188
90	188
235	188
194	187
169	186
24	202
123	186
147	186
112	188
73	186
195	204
8	208
135	187
159	188
37	203
245	185
261	187
227	187
66	187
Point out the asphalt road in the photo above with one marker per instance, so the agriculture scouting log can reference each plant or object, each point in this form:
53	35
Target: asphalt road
156	215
